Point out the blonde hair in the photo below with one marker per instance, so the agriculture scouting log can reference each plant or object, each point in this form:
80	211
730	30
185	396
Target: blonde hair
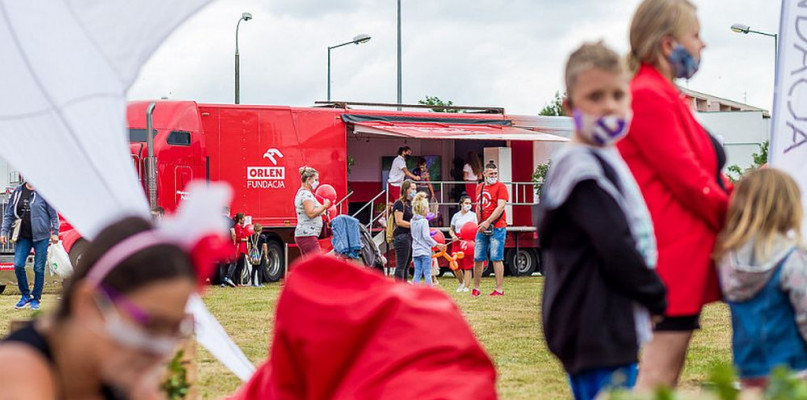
591	55
420	205
766	203
653	20
307	172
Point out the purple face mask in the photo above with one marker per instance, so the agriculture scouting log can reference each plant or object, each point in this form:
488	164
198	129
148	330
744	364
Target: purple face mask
602	131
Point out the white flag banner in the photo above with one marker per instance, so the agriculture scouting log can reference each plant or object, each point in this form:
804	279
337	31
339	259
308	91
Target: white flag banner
65	67
789	134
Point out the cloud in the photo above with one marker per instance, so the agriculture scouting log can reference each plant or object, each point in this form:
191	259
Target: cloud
508	53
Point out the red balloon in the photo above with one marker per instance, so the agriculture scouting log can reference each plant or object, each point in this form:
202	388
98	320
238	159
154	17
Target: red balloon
249	229
332	212
437	235
319	198
326	191
468	231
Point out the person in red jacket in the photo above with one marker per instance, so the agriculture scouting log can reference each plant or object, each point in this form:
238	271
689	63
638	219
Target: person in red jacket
677	165
240	238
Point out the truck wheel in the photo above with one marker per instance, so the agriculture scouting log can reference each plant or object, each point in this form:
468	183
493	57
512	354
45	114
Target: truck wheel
275	262
246	273
522	262
77	250
488	270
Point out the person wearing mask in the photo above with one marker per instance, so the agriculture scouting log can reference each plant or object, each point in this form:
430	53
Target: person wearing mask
597	236
463	216
402	239
122	316
31	223
677	165
398	172
309	212
491	198
240	238
471	173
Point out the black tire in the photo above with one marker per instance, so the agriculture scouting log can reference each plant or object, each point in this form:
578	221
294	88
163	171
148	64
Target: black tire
522	262
246	273
77	250
488	270
275	263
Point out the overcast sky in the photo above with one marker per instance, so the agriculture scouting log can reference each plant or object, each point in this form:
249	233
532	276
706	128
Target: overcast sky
506	53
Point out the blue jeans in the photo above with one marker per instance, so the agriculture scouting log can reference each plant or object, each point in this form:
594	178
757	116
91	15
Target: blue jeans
21	251
423	266
586	385
490	247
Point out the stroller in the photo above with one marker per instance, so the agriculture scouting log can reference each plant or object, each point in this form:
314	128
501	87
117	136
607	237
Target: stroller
352	240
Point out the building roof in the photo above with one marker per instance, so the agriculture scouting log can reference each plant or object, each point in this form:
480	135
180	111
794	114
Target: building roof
703	102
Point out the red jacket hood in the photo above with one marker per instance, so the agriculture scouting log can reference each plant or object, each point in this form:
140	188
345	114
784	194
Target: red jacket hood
344	332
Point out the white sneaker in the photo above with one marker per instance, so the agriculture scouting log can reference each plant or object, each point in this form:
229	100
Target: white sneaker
459	288
465	289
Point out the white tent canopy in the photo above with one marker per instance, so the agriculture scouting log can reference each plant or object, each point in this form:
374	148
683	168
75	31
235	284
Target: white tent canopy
65	69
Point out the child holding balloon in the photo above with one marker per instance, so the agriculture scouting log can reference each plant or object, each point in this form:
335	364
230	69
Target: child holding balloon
422	242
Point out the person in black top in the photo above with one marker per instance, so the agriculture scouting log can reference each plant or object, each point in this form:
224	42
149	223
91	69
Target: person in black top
597	236
258	246
122	315
38	222
402	212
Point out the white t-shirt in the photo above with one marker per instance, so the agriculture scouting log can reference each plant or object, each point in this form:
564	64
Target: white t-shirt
458	220
471	175
306	226
396	173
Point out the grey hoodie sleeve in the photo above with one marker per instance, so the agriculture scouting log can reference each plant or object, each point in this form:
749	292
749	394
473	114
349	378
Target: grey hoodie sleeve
793	280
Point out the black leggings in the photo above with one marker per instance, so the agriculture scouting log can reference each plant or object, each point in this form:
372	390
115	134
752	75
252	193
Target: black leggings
403	255
257	273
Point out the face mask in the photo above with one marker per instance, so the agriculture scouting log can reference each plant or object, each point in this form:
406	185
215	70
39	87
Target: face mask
466	207
602	131
683	63
412	195
314	184
132	336
491	180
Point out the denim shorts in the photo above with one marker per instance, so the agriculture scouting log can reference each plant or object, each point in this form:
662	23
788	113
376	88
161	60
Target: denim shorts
490	245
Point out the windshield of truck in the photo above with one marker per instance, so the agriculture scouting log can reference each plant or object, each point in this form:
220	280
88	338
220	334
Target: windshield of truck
139	135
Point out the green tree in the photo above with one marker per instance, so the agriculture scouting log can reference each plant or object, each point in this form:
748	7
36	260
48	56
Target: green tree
555	107
435	101
760	158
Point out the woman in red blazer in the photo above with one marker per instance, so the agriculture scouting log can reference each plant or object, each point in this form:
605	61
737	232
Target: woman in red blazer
677	165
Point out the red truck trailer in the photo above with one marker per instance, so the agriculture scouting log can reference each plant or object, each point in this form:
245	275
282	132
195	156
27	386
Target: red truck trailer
259	149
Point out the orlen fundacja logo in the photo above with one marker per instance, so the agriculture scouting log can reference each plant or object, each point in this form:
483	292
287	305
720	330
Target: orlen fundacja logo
264	177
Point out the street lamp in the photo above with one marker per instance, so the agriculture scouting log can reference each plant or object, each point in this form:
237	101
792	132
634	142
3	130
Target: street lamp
361	38
400	95
745	29
244	17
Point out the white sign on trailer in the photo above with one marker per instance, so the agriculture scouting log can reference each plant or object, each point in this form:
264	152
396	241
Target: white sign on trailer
789	136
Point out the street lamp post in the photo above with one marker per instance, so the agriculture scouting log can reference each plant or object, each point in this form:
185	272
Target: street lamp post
359	39
400	94
244	17
745	29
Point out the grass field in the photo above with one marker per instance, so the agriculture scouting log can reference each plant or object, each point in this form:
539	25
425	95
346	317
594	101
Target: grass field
508	327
